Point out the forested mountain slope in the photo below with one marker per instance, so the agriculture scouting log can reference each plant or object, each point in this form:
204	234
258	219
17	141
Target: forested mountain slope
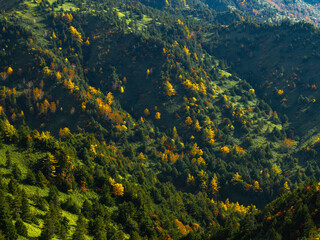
129	124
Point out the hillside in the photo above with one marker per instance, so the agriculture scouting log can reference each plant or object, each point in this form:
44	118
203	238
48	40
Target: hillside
134	122
270	11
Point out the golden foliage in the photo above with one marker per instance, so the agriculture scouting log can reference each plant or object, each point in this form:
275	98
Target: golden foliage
236	178
195	87
280	92
170	91
197	126
8	130
146	112
239	150
37	94
196	150
195	57
275	169
188	121
53	107
214	185
190	179
256	185
109	98
186	50
118	190
175	44
141	157
54	36
208	135
286	186
64	132
225	149
9	70
225	97
157	115
175	133
46	70
182	229
200	160
4	75
75	34
67	17
288	142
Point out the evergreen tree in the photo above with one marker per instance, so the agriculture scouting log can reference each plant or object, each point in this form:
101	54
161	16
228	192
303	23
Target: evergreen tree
6	223
48	229
64	228
9	159
16	172
25	208
21	228
99	231
51	224
13	186
81	229
31	178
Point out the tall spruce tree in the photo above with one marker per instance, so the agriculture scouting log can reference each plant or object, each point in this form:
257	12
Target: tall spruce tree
81	229
6	223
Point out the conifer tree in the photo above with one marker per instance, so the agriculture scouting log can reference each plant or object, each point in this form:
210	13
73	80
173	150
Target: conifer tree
48	229
13	186
81	229
25	208
99	231
21	228
16	172
6	223
9	159
51	223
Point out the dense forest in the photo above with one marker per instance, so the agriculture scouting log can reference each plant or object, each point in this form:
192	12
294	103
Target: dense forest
158	120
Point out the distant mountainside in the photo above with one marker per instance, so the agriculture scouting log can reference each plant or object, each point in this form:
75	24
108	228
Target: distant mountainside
272	11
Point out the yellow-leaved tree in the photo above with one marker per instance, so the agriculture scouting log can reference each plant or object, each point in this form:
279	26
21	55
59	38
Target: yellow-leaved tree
214	185
75	34
8	130
170	91
117	188
236	178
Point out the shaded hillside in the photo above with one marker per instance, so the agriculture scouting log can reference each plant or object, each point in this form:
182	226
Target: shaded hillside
294	215
280	61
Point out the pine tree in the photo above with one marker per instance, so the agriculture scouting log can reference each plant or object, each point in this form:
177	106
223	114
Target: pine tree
13	186
21	228
87	209
51	224
16	172
64	228
9	159
16	205
48	229
25	208
81	230
31	178
2	236
6	223
99	231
